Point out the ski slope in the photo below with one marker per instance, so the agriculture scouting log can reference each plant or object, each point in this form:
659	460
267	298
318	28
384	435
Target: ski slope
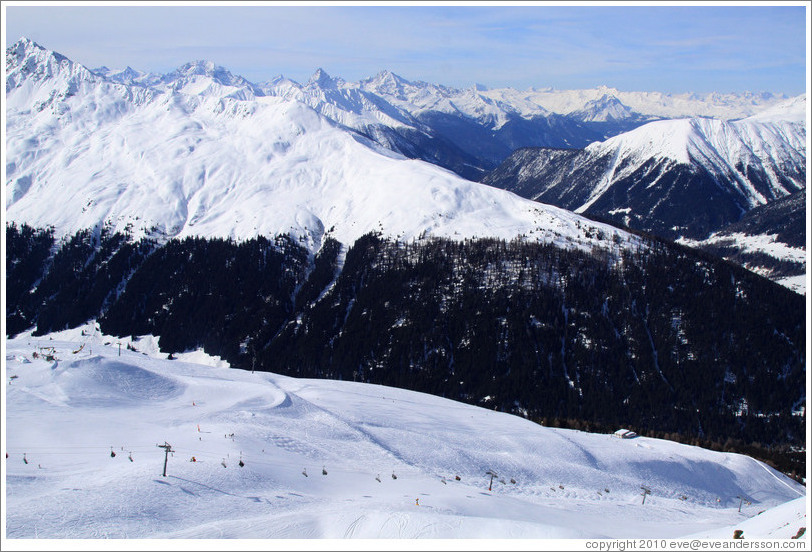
391	456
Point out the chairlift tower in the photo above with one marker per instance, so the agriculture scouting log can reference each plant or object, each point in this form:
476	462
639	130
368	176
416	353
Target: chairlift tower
167	449
742	499
492	474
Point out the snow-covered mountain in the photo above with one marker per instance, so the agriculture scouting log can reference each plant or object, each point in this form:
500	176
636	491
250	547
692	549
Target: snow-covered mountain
209	154
677	178
472	130
469	131
259	455
604	109
496	105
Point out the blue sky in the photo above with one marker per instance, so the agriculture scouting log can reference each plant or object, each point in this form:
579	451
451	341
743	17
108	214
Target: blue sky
682	48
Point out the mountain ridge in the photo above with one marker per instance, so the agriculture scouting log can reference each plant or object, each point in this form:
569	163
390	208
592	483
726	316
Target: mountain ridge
433	122
199	159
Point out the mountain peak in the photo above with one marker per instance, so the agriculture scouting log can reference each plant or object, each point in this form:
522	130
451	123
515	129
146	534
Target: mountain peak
323	80
26	47
25	59
188	72
388	76
25	42
606	108
200	67
386	82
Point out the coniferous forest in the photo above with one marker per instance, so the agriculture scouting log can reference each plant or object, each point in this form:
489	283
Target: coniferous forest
660	339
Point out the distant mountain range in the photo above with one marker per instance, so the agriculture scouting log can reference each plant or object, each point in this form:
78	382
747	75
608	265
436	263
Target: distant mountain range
469	131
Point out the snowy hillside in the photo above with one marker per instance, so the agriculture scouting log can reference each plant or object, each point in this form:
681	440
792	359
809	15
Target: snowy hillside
207	156
761	246
85	413
793	109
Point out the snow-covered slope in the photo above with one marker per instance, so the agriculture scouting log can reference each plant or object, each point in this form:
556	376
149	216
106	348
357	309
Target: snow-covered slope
793	109
207	156
787	521
83	422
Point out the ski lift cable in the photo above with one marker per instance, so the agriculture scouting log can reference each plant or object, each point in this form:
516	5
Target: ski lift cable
403	471
261	461
291	464
85	450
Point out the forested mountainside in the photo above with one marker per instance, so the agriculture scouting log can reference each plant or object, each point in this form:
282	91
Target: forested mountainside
769	240
657	337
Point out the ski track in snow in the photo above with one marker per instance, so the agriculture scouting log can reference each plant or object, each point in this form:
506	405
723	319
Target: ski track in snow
68	416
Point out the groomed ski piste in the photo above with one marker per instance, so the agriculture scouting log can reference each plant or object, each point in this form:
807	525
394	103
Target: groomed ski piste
264	456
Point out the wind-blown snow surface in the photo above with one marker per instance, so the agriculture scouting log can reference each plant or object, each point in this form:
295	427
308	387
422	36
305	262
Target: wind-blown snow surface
85	151
66	416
